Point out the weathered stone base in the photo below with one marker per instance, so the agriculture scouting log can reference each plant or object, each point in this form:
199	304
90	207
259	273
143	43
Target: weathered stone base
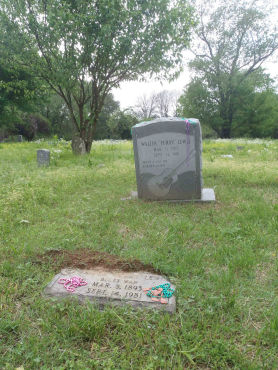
78	145
111	288
208	195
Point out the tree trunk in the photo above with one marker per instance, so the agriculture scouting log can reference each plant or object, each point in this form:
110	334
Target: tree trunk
86	130
83	138
91	129
227	117
78	142
85	134
89	139
226	131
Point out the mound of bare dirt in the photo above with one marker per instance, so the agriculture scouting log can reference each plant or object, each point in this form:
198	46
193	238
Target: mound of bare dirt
88	259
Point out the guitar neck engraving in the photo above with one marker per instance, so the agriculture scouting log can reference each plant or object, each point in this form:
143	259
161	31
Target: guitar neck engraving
160	185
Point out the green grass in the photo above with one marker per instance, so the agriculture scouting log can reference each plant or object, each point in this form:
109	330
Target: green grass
222	258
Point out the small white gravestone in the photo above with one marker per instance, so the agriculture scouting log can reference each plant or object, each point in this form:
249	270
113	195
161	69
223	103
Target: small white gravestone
112	287
43	157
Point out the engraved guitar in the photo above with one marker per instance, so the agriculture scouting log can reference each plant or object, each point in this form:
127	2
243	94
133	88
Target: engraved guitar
160	185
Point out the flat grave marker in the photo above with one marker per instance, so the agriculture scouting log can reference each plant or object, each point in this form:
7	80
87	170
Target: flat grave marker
111	287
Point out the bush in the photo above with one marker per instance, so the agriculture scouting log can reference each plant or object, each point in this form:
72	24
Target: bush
32	125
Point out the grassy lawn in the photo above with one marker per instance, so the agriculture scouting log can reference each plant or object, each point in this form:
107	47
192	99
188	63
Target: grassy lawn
222	258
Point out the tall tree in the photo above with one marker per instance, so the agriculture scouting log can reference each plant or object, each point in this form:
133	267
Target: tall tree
257	112
234	39
161	104
55	110
166	101
84	48
120	123
19	92
110	107
146	107
198	101
255	105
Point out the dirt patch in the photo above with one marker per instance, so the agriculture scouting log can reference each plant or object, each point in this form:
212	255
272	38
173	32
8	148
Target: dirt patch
89	259
262	272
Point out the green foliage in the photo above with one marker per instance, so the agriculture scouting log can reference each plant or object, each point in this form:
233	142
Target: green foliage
32	126
120	124
259	116
110	106
56	112
20	90
254	106
196	102
15	88
235	38
20	93
54	109
83	49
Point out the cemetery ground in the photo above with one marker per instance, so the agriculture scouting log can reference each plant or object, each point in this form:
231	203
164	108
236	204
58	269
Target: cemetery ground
222	257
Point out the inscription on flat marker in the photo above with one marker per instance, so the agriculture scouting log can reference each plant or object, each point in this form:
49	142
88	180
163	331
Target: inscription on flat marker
117	288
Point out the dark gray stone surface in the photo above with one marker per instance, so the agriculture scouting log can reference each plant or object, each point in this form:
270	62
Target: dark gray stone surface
168	159
116	288
43	157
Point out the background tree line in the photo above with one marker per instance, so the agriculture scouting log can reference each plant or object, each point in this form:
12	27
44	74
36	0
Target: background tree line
230	91
57	66
83	49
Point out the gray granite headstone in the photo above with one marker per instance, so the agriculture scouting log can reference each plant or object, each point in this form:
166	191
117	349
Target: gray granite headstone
43	157
168	159
111	287
20	138
78	145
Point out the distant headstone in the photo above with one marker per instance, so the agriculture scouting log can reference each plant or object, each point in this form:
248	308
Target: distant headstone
168	160
111	287
240	147
19	138
78	145
43	157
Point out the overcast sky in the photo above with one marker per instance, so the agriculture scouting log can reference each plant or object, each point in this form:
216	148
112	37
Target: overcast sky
129	92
